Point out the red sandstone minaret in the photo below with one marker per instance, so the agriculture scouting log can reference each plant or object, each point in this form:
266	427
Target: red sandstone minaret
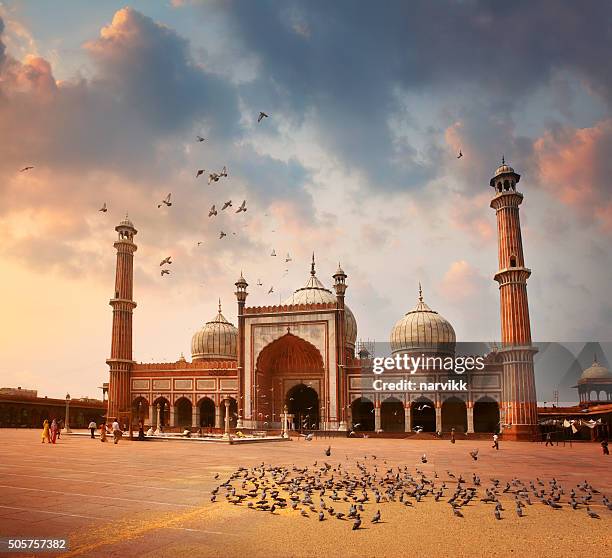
120	361
340	288
241	296
519	404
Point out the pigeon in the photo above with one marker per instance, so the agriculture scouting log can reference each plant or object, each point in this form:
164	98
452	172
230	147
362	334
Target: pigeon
592	514
321	516
259	283
213	211
242	207
273	253
103	209
200	242
261	116
165	272
166	261
288	258
223	173
222	234
474	454
328	451
200	172
376	517
24	169
226	205
424	458
519	511
271	290
357	524
166	201
200	138
423	407
497	514
213	177
309	437
460	155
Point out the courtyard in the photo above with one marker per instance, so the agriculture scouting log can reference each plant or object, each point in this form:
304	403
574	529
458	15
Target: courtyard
154	499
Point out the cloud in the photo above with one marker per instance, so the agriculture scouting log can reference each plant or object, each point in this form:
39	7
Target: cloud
574	166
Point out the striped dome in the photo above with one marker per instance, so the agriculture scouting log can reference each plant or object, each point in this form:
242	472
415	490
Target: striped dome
423	330
217	340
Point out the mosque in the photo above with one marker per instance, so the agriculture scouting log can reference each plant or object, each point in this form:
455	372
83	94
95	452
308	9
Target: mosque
302	354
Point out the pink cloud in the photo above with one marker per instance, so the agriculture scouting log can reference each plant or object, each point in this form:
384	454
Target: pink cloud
574	165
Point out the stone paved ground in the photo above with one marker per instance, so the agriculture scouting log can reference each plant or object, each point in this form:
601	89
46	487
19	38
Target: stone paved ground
153	499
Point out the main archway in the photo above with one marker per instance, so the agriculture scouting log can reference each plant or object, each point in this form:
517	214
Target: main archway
303	403
282	366
183	412
207	413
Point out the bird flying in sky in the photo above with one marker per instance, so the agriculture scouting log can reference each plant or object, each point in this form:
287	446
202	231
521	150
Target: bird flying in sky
261	116
103	209
166	201
242	207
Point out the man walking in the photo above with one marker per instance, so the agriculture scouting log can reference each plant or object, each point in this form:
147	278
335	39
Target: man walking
548	439
495	441
92	428
116	432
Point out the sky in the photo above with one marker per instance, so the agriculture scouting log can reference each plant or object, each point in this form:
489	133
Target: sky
368	104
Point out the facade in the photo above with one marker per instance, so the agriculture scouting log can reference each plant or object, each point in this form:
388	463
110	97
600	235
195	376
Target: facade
302	354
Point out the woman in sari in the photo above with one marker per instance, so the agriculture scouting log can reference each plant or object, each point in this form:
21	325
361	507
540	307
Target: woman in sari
45	432
53	431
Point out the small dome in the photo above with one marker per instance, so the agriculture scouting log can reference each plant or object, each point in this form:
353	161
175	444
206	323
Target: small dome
595	372
217	340
423	330
314	292
125	222
503	169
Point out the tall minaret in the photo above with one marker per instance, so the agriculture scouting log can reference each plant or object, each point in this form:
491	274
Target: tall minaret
120	361
519	405
241	296
340	288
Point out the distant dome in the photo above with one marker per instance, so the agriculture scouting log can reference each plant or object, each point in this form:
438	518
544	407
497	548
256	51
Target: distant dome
217	340
423	330
595	372
314	292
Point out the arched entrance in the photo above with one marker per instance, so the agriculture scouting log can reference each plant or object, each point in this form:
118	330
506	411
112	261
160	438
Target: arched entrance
423	414
362	413
233	410
454	415
486	415
284	365
183	412
207	413
140	410
392	415
303	403
164	411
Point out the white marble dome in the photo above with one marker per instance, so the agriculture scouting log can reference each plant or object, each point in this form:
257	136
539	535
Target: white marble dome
216	340
423	330
315	292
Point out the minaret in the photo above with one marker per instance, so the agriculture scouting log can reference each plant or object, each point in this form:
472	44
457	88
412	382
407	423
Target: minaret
340	288
519	405
120	361
241	296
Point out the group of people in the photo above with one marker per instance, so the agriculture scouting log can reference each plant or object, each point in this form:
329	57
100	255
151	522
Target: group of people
51	431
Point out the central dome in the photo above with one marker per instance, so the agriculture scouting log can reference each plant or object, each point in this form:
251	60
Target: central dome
216	340
423	330
314	292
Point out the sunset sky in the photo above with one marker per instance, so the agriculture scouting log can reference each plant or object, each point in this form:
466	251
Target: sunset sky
369	104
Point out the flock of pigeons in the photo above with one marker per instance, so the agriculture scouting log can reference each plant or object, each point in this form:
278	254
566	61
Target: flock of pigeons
348	495
213	177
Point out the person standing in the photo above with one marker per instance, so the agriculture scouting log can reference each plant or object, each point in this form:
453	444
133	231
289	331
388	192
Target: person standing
452	435
604	447
103	432
92	428
53	431
116	432
548	439
495	441
45	432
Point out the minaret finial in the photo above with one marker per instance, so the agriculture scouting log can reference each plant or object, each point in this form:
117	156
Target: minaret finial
420	292
503	160
219	305
312	266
